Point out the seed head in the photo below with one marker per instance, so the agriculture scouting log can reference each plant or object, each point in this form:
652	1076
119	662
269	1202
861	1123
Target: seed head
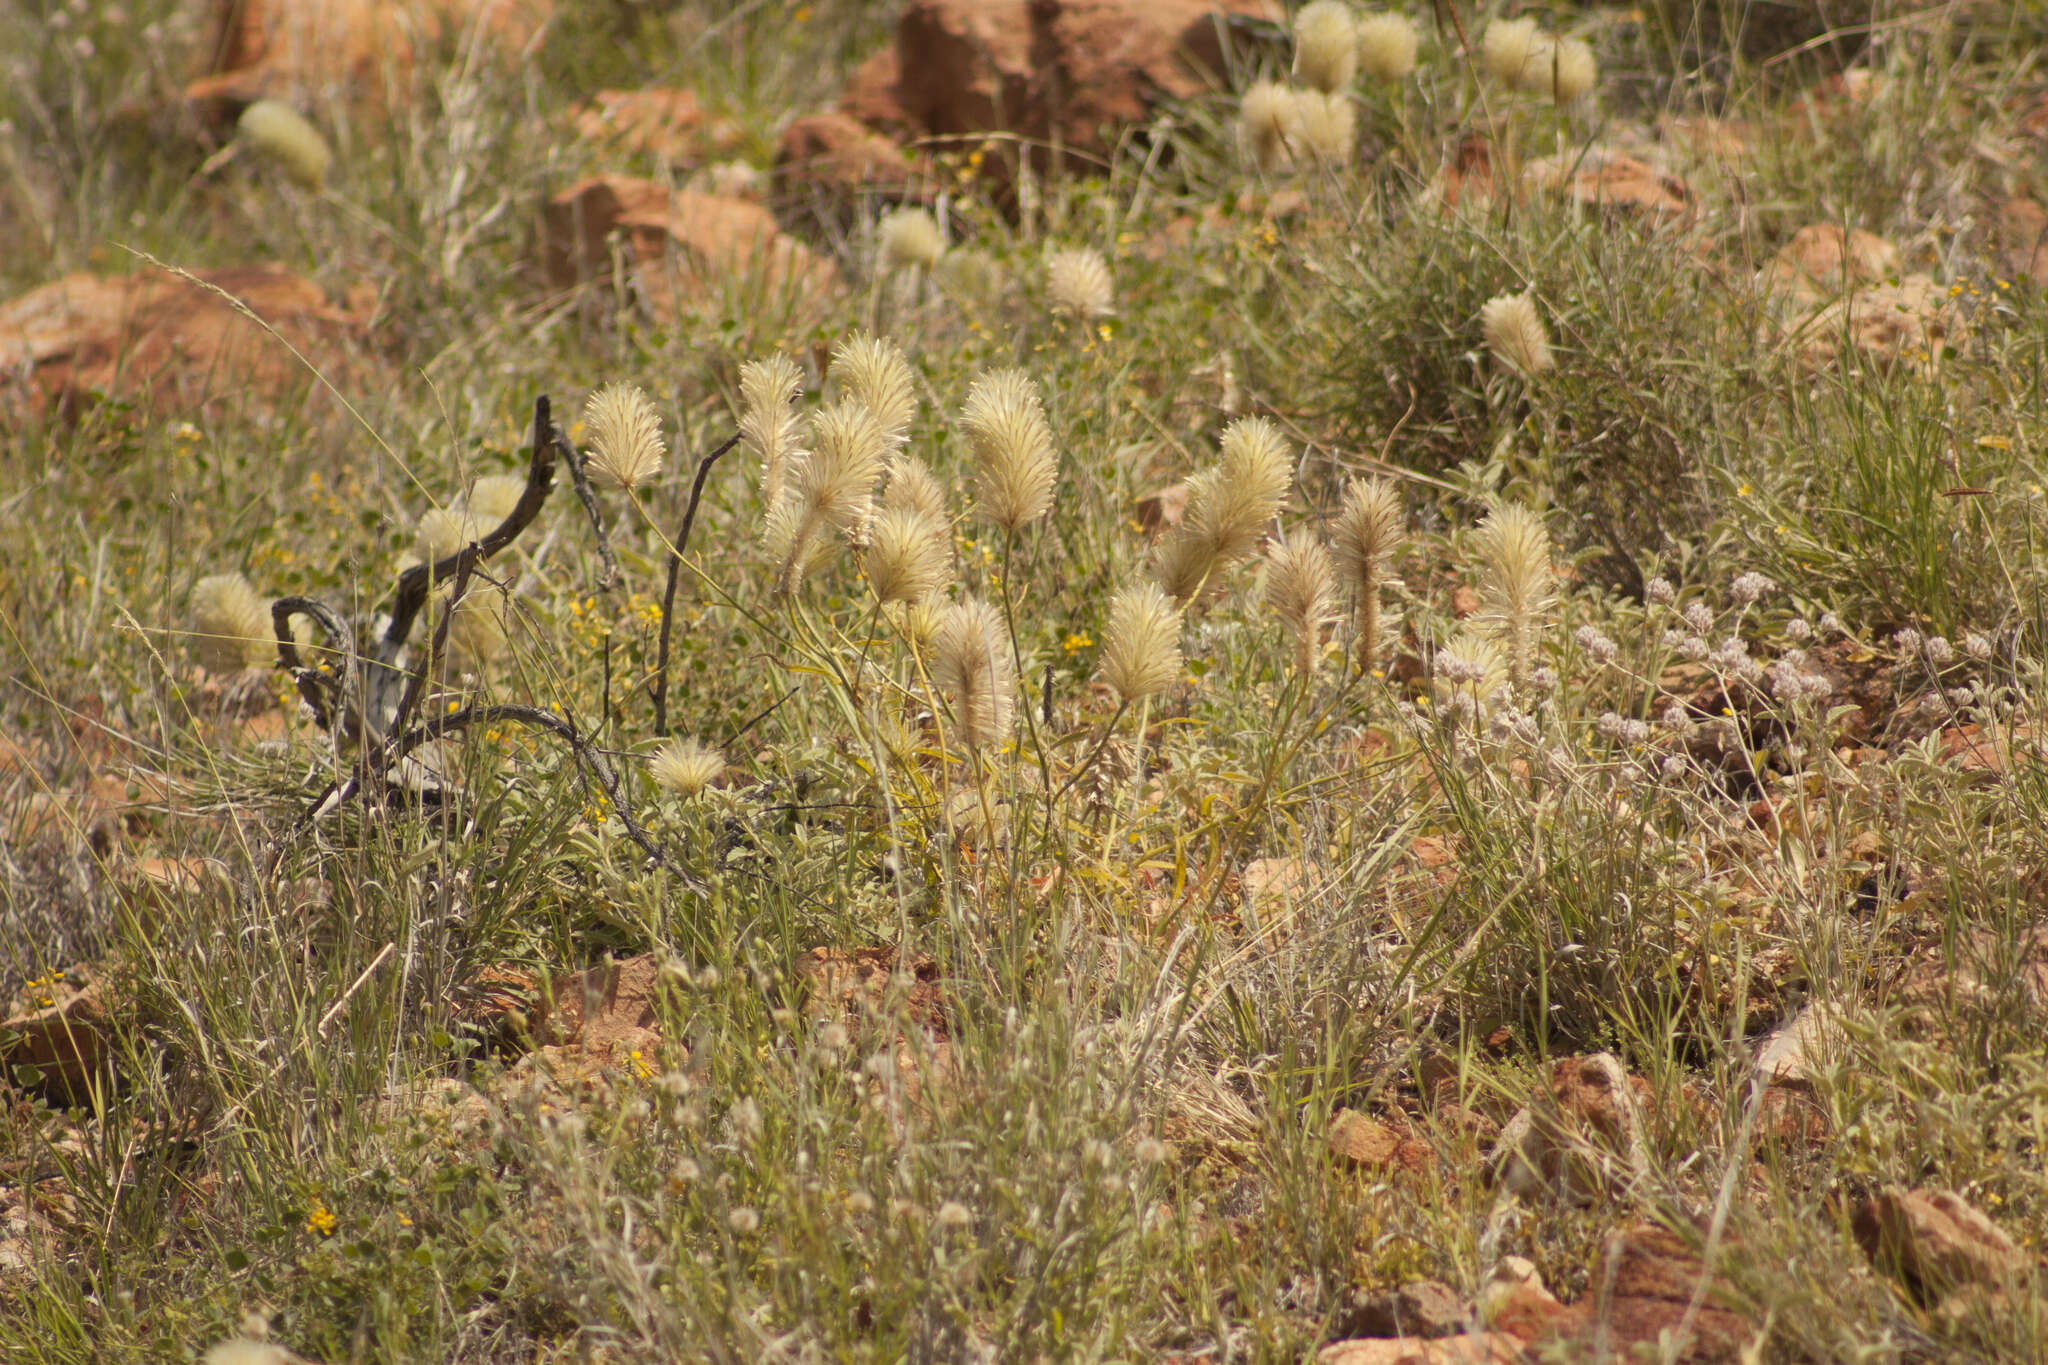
230	624
1387	45
282	134
1229	508
1078	283
871	370
625	436
769	390
1322	128
1325	45
1368	533
1141	642
1515	333
1301	589
1262	118
1016	465
907	555
910	240
971	662
1517	586
1508	49
848	449
685	766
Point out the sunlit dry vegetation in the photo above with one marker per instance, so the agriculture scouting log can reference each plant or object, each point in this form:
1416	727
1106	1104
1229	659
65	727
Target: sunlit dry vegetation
677	691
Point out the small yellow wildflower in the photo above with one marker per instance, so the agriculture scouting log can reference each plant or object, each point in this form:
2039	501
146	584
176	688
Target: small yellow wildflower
319	1219
1077	642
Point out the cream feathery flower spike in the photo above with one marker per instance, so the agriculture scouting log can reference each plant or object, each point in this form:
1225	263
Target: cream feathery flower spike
1078	283
625	436
1141	642
1016	463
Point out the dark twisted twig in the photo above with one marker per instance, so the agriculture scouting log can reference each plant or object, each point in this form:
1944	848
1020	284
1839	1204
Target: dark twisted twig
659	688
322	691
415	583
580	477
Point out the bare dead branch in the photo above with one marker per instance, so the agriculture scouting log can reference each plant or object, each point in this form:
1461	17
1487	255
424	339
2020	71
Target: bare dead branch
659	688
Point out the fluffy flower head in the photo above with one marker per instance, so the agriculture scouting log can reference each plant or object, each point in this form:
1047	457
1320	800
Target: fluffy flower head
1016	463
910	239
1141	642
1387	44
907	555
685	766
1262	117
1078	283
230	624
1515	333
769	427
625	436
871	370
1322	128
1325	45
971	662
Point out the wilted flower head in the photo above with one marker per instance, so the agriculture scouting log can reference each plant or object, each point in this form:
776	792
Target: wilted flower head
871	370
1368	532
1262	118
911	240
231	627
907	555
1016	464
625	436
1508	49
1321	128
768	420
1386	46
685	766
1141	642
1078	283
1325	45
1517	584
971	662
282	133
1515	333
1301	589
